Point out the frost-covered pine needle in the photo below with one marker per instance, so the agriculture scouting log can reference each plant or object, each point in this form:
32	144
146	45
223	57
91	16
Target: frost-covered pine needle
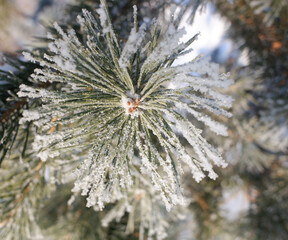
129	106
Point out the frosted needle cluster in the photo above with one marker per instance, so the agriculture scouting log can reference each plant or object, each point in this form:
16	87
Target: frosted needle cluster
115	105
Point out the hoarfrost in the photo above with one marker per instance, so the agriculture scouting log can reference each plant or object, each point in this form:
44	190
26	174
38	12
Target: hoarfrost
129	127
133	43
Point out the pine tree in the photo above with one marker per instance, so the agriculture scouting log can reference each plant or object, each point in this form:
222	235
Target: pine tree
103	136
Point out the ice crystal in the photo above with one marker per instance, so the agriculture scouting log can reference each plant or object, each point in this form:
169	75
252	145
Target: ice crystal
118	102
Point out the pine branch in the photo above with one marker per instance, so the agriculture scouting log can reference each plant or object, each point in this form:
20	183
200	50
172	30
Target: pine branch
116	102
21	188
25	182
11	105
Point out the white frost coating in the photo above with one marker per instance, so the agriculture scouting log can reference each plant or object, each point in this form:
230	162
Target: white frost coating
151	219
101	108
115	213
26	91
41	145
44	155
49	36
61	48
165	48
29	57
103	18
29	115
63	64
197	173
133	43
200	146
216	127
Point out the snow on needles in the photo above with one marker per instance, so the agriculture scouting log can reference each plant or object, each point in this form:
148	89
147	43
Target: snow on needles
116	101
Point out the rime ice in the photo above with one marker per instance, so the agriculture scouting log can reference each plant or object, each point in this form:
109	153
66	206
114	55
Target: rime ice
127	106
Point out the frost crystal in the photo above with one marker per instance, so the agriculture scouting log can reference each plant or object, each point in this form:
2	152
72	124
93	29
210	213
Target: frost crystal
127	109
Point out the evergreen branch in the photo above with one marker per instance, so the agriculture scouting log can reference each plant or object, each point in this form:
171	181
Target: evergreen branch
116	103
11	105
25	182
20	190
